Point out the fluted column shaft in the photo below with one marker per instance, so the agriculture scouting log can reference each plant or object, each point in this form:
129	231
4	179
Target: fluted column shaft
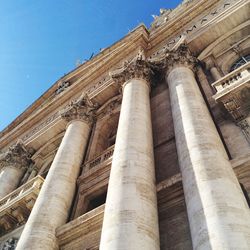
52	206
130	217
217	211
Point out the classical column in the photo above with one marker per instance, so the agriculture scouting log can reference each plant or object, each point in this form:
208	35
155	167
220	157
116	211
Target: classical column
13	165
53	203
213	69
130	217
218	214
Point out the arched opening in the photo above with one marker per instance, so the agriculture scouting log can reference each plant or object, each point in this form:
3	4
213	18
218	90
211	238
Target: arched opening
240	62
104	135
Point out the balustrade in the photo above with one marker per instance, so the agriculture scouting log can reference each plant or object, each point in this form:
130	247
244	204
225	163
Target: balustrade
232	82
100	159
16	206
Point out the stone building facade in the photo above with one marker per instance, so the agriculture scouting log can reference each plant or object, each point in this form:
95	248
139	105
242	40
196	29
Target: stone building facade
145	146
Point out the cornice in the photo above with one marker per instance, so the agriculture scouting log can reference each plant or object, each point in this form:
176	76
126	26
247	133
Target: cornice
86	73
174	27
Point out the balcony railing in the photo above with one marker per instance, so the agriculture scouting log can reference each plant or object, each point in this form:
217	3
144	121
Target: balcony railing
101	159
232	81
16	206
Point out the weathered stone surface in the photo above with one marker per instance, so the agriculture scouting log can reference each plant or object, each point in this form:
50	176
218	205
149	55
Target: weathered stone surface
13	165
217	33
131	190
217	210
52	207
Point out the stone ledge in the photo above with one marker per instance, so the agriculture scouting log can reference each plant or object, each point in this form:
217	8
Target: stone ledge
80	227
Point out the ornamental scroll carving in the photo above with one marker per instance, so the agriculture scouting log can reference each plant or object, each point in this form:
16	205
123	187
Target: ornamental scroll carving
10	244
167	59
80	109
136	68
16	156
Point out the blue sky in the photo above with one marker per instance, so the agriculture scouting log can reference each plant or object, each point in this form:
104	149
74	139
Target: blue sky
41	40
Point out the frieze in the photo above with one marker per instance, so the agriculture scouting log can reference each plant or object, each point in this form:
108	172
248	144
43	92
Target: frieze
17	156
170	44
36	129
81	109
97	85
200	23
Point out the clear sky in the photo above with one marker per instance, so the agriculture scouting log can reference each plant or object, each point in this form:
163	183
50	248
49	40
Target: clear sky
41	40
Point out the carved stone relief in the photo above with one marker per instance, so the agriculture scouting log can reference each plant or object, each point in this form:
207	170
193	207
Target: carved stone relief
81	109
62	86
136	68
167	59
10	244
218	10
17	156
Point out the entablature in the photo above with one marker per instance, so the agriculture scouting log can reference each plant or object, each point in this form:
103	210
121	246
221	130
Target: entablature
232	83
200	23
92	78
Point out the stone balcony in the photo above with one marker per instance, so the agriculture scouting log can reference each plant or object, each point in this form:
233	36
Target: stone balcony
83	232
232	82
103	159
16	206
233	90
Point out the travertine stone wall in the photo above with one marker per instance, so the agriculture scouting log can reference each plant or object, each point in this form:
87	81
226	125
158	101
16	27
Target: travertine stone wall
165	153
173	221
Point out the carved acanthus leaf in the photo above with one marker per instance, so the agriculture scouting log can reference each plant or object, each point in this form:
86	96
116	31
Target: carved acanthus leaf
10	244
16	156
81	109
136	68
167	59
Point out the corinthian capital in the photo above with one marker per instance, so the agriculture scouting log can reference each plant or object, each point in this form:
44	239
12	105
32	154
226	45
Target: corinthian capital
80	109
136	68
16	156
166	59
